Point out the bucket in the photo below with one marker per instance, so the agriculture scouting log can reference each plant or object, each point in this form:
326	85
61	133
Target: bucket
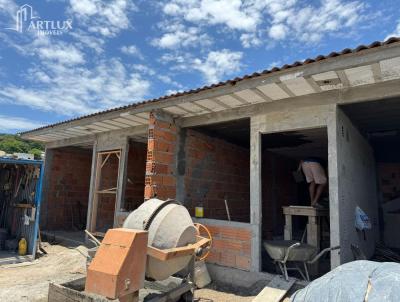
3	237
201	275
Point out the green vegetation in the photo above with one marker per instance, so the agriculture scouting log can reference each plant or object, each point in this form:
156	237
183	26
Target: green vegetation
12	143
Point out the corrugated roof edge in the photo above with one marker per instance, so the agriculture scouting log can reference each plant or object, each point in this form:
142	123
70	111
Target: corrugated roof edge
232	82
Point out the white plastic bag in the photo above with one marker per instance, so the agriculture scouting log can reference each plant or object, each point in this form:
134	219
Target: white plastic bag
362	221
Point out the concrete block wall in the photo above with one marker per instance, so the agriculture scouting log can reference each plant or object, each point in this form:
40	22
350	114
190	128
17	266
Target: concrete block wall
357	186
231	243
215	169
160	179
135	176
66	183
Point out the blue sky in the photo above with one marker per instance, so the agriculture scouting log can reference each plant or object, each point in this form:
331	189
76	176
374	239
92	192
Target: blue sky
119	51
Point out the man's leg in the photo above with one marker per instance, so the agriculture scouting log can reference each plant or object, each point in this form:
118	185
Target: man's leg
311	189
320	189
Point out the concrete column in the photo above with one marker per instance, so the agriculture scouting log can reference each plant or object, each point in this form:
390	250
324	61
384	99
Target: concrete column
45	189
92	185
333	186
255	196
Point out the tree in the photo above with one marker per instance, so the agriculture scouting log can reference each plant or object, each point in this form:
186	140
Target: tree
36	152
12	143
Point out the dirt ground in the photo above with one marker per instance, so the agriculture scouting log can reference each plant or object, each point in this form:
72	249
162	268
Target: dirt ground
29	281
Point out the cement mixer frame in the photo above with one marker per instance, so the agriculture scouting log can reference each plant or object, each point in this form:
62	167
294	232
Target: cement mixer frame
151	291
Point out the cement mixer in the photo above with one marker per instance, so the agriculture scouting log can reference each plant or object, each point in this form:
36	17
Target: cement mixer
158	240
170	226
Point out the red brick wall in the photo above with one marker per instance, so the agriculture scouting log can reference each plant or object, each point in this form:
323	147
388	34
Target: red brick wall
136	170
160	166
215	169
278	189
231	246
66	191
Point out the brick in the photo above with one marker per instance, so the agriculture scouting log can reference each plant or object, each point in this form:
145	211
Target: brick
68	181
214	257
231	245
242	262
227	259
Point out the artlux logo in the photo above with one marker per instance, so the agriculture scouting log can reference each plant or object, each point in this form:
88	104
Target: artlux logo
26	21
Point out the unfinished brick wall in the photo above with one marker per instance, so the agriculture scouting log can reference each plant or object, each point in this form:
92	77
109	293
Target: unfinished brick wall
66	191
231	246
278	189
160	166
135	176
389	180
215	170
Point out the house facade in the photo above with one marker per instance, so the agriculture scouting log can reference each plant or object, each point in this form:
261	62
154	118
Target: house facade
231	148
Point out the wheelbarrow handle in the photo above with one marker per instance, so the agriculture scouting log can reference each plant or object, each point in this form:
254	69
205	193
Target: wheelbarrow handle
320	254
289	249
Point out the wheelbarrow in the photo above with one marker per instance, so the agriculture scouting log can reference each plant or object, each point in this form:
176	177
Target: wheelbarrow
284	251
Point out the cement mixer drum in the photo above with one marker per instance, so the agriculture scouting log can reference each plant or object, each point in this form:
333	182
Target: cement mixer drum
169	225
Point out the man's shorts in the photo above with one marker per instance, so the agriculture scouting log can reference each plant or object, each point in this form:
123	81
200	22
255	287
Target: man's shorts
314	172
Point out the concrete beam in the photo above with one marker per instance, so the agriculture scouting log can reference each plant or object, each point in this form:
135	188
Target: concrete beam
90	139
365	93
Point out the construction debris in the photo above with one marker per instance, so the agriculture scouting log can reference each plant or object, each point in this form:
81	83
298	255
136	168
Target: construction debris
275	291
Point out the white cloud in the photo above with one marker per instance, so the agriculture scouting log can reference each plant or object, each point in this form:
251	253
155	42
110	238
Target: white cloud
86	40
62	53
168	80
12	123
395	33
309	24
218	64
179	36
235	14
7	7
132	50
278	31
259	21
78	90
107	18
250	40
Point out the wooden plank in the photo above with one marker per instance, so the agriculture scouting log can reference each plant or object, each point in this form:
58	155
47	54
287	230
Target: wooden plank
288	228
171	253
94	207
304	211
275	291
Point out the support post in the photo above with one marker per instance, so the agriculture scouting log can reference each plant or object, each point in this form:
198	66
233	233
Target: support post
288	228
255	196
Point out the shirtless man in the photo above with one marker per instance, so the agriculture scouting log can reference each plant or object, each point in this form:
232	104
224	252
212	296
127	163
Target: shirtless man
315	177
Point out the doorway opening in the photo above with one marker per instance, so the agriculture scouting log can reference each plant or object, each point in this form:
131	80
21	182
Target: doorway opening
286	200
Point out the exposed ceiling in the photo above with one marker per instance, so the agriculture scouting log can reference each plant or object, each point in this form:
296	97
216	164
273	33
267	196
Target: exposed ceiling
374	117
236	132
298	144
